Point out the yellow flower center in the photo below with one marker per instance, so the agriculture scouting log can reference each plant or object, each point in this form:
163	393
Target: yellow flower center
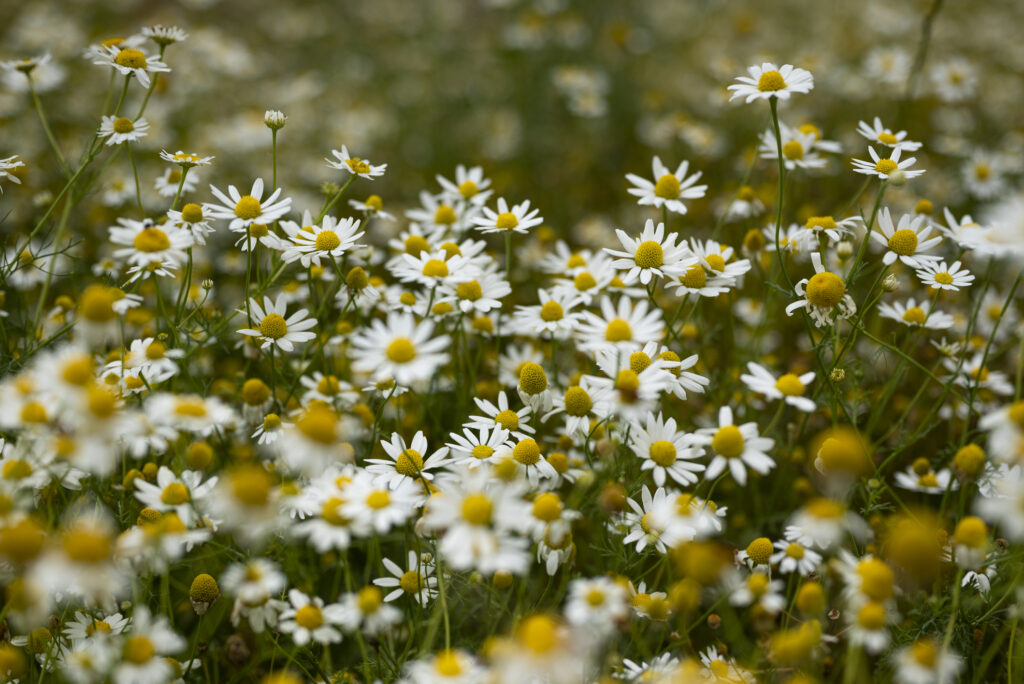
532	378
793	150
78	371
151	240
331	512
435	268
538	634
258	230
716	262
16	469
794	550
903	242
309	617
944	278
411	582
818	223
618	330
414	244
728	441
627	383
248	208
174	494
251	485
825	289
469	290
33	412
527	452
584	281
137	649
319	425
639	362
770	82
758	584
760	550
445	215
407	298
663	452
876	579
401	350
273	326
552	311
477	509
649	254
887	138
271	422
915	316
130	58
695	277
577	401
326	240
507	220
156	350
378	499
507	419
790	385
482	451
409	463
87	545
971	531
886	166
667	187
547	507
123	125
468	188
358	165
871	616
982	171
925	653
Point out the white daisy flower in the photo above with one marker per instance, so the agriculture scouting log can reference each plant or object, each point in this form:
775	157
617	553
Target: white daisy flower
469	185
373	509
330	240
554	315
651	254
406	463
518	218
164	35
273	329
668	189
5	169
926	662
789	387
665	451
869	626
624	326
400	348
877	133
823	295
354	165
945	277
920	477
246	210
121	129
500	415
131	61
308	619
581	404
910	313
149	248
887	167
794	556
372	207
758	589
367	612
816	226
144	648
476	293
799	149
182	494
736	447
907	240
768	80
185	159
417	580
488	445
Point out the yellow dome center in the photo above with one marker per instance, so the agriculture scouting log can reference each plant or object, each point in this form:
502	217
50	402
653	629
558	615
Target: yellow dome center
151	240
728	441
771	81
667	187
903	242
248	208
649	254
401	350
825	290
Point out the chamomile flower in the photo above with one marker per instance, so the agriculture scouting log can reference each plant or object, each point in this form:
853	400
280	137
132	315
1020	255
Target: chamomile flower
477	293
887	167
501	415
372	207
920	477
6	165
168	182
273	329
185	159
736	447
641	525
144	646
757	588
122	129
599	604
906	240
665	451
668	189
823	295
182	494
244	211
927	662
768	80
354	165
469	185
554	315
941	276
518	218
149	248
792	556
309	619
799	149
406	463
624	325
417	581
399	348
487	445
165	35
373	508
131	61
651	254
869	626
788	387
452	666
914	315
329	240
877	133
816	226
581	403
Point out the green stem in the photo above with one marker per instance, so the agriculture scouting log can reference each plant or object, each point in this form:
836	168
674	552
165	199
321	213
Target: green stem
774	102
38	105
135	171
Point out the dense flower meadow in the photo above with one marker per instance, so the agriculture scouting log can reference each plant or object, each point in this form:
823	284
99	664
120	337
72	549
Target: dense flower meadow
296	398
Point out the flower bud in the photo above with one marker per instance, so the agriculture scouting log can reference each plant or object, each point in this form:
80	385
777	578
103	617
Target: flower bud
891	283
844	250
837	375
275	120
203	592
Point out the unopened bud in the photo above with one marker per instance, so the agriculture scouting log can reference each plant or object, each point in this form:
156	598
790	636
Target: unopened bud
207	284
891	283
898	178
844	250
837	375
714	621
274	119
